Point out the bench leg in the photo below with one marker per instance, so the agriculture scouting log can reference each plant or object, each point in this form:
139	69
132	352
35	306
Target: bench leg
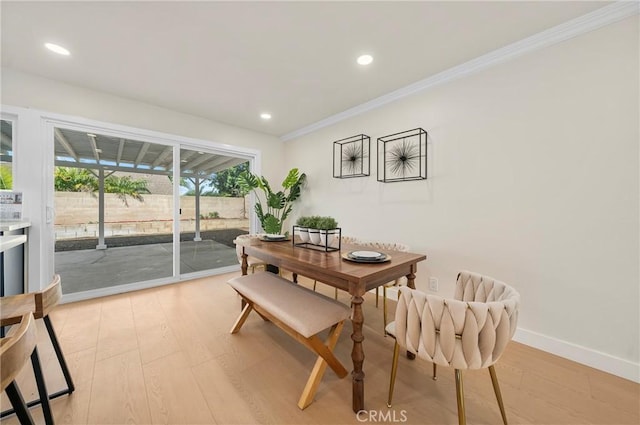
242	318
319	368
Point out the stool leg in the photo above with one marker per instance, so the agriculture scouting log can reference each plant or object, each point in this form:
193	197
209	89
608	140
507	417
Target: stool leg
42	388
59	355
15	397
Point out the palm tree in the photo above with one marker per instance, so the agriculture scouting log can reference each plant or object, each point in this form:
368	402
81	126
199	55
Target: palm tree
126	186
69	179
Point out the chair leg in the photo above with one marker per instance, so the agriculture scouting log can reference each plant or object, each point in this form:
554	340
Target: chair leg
394	368
435	371
42	388
384	310
376	297
56	346
462	420
335	295
15	397
314	284
496	389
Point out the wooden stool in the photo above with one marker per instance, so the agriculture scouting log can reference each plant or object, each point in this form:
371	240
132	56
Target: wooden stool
14	307
15	349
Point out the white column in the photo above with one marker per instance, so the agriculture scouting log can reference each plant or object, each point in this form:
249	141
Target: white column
197	237
101	244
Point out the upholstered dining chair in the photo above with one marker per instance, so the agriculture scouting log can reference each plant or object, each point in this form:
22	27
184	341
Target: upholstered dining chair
469	331
245	240
348	240
16	348
388	246
14	307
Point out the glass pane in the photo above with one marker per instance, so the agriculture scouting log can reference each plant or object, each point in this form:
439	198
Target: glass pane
212	209
114	210
6	155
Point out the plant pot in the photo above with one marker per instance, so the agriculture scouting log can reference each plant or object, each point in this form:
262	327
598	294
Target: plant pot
328	238
303	232
314	236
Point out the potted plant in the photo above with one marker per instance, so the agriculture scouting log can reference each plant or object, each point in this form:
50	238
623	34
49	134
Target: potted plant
328	230
303	228
277	205
314	232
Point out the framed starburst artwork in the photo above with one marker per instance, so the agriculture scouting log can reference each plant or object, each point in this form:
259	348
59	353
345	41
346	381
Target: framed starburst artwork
351	157
402	156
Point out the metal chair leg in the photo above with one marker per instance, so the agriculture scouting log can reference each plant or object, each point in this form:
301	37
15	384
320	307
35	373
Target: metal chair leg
462	420
384	309
42	388
15	397
435	370
335	295
376	296
394	368
496	389
56	346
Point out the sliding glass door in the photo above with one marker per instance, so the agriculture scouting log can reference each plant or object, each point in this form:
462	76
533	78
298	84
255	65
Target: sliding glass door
211	213
113	210
116	200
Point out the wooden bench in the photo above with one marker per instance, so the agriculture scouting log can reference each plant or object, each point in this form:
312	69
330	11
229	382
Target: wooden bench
300	312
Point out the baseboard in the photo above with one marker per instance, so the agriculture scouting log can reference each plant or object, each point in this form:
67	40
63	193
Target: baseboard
605	362
583	355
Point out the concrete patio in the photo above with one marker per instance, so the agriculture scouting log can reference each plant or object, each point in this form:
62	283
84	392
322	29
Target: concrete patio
83	270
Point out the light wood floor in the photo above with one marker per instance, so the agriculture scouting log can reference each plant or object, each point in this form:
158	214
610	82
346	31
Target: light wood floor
164	355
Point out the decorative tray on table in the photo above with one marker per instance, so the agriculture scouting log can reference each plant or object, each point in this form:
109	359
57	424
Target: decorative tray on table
366	256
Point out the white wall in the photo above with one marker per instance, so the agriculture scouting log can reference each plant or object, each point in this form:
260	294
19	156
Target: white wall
31	94
533	179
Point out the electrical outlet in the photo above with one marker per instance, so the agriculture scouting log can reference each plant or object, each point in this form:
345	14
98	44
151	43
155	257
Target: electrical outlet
433	284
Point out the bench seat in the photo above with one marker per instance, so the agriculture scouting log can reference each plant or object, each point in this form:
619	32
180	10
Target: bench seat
302	309
300	312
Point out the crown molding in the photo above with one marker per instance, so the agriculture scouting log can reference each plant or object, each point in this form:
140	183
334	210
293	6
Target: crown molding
591	21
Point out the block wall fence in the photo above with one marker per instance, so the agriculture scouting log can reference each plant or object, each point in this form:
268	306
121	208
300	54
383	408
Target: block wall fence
76	214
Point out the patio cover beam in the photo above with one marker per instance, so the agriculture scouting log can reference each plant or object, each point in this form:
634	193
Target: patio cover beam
65	144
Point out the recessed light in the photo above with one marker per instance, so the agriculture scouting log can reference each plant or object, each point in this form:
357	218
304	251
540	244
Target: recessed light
57	49
265	116
365	59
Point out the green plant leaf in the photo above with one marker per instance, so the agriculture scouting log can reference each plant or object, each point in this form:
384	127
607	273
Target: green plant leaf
291	179
271	224
276	200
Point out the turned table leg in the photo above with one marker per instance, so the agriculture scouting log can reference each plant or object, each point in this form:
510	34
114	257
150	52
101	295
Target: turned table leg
357	354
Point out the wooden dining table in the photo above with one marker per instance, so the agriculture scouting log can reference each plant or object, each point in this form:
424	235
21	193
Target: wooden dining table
332	269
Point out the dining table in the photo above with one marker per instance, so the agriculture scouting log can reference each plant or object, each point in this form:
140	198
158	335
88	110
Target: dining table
336	268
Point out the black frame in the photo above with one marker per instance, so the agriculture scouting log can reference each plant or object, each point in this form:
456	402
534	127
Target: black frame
401	153
360	146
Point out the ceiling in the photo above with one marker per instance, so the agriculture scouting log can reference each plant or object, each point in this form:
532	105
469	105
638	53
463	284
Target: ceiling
231	61
97	151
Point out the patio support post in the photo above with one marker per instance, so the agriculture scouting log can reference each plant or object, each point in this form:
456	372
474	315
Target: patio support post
197	237
101	244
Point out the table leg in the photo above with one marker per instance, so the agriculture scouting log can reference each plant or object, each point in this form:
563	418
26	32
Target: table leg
411	278
357	354
245	265
411	283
